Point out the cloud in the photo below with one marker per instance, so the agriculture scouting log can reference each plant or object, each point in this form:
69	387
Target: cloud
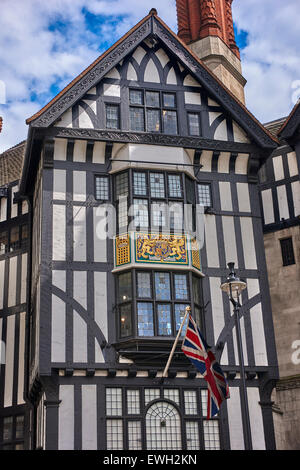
270	59
45	44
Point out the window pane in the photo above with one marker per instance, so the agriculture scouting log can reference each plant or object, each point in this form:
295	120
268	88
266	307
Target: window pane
14	238
114	434
112	116
157	185
140	213
134	435
145	319
140	184
144	285
153	120
190	190
136	97
164	320
204	397
196	290
8	428
121	185
169	100
192	435
151	394
133	402
211	435
114	402
179	314
204	195
3	242
126	323
137	120
19	427
152	99
159	215
170	122
123	213
287	251
124	287
102	188
176	216
198	318
194	124
172	394
162	286
181	287
175	189
190	402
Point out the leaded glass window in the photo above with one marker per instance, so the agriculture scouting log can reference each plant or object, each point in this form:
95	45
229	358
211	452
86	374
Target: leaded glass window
153	120
144	285
134	435
211	435
114	434
170	122
159	302
164	320
153	111
133	402
152	99
102	188
194	124
162	286
136	97
172	394
157	425
190	402
140	213
139	184
145	319
192	435
137	119
204	195
112	116
114	402
181	287
174	184
126	320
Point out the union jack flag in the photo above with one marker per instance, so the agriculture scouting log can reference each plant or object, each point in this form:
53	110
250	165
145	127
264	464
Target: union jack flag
196	349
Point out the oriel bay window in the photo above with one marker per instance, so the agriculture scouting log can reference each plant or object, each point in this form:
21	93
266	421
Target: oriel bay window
153	303
153	111
156	199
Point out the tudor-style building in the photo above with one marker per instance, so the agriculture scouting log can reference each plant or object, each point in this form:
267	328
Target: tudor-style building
14	246
280	201
147	123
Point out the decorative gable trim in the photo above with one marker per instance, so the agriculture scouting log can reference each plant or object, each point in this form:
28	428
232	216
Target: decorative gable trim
154	28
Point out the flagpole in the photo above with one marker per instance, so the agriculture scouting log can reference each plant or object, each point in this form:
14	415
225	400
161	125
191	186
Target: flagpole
187	312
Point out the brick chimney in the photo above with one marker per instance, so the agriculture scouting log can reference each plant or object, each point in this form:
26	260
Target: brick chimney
206	26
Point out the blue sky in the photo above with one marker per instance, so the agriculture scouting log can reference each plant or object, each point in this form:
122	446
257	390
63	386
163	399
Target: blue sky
44	45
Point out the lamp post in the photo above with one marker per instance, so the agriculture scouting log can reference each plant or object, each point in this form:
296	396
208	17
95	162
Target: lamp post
233	288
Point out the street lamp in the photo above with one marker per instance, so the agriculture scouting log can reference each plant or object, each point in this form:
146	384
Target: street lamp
233	287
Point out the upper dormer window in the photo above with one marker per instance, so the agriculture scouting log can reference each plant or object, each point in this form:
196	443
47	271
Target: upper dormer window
153	111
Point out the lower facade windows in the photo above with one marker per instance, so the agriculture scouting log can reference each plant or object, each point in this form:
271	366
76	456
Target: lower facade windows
153	303
159	419
13	433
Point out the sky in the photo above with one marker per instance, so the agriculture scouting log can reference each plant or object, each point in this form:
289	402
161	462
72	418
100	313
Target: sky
45	44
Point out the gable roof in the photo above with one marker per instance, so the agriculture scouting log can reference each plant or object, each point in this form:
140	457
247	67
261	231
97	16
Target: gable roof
11	164
153	26
291	124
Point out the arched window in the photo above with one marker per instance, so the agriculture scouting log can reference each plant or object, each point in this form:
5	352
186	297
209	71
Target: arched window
163	427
